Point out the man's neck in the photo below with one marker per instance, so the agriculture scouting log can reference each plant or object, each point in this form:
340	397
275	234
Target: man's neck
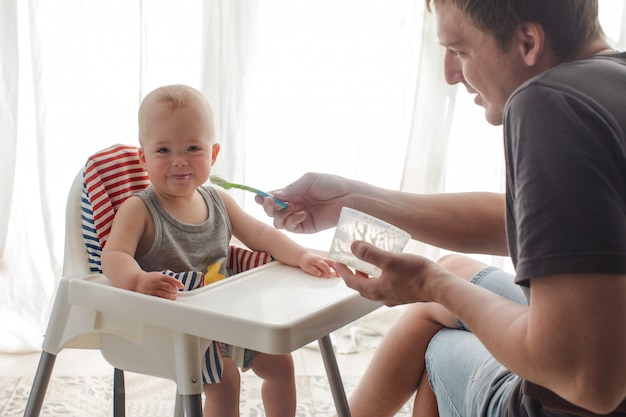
595	47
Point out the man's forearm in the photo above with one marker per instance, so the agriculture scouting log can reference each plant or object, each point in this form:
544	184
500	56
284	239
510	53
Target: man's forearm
461	222
565	342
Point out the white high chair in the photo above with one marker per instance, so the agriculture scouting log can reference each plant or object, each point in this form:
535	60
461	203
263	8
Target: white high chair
274	309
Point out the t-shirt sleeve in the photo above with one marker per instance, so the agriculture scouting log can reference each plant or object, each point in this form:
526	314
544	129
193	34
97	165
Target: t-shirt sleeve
566	191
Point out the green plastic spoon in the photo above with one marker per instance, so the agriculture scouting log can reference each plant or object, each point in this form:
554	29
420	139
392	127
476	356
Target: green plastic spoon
226	185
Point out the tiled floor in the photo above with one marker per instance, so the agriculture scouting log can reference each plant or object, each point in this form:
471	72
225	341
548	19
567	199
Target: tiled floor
81	382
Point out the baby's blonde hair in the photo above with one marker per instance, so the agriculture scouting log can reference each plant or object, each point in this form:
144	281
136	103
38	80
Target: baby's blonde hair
176	96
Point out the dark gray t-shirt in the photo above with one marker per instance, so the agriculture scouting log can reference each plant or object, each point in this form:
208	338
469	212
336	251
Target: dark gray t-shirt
182	247
565	145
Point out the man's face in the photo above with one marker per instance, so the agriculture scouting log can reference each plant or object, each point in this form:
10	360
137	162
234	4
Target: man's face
474	59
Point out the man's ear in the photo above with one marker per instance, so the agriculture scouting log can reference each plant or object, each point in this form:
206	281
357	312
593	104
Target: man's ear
214	151
532	42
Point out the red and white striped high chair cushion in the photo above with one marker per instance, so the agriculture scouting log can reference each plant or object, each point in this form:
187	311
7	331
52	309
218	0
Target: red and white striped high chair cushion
110	177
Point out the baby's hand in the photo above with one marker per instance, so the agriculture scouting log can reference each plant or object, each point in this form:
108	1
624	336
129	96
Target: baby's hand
161	285
317	266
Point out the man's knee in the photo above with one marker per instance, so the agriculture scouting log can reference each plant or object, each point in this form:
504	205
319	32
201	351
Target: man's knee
440	361
452	358
461	265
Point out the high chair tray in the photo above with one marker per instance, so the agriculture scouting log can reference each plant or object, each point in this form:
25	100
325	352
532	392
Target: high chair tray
274	308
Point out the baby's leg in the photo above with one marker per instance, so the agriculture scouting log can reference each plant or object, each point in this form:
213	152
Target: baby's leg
397	367
222	399
279	384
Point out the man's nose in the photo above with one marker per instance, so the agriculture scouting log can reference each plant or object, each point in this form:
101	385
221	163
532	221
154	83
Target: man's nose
452	69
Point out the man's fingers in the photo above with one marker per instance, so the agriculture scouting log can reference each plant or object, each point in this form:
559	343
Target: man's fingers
357	281
368	252
291	221
269	206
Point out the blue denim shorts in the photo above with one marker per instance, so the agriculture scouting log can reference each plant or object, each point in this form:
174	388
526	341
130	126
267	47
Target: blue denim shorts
466	379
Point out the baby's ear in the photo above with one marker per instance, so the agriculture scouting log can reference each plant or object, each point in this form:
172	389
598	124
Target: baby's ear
215	150
141	155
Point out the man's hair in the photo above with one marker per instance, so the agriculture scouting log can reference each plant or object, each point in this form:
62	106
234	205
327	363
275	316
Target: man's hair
568	24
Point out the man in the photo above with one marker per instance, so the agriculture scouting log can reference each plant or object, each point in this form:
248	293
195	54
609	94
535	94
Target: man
543	70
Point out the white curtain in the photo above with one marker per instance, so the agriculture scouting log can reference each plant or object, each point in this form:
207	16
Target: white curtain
425	162
73	75
332	89
228	32
8	106
331	85
28	263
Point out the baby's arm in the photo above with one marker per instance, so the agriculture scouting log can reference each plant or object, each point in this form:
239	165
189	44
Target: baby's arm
257	235
118	262
285	250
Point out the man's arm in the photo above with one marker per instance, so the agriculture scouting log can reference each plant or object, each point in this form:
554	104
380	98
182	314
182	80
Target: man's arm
570	340
463	222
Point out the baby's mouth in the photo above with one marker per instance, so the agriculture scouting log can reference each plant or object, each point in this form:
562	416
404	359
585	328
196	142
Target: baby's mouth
180	176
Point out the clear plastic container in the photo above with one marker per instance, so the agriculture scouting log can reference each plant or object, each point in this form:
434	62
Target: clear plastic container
354	225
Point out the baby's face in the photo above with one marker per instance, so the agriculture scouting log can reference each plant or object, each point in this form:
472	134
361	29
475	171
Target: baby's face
178	147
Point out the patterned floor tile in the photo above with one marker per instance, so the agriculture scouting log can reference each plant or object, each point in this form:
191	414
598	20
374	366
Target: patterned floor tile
80	396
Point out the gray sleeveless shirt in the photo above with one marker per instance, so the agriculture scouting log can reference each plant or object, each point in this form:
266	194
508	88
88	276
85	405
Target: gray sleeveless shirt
181	247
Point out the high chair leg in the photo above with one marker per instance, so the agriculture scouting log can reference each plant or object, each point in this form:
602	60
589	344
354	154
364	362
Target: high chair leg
119	394
193	405
179	406
40	384
334	377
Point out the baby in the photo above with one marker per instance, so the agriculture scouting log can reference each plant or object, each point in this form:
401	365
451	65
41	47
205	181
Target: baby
179	224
